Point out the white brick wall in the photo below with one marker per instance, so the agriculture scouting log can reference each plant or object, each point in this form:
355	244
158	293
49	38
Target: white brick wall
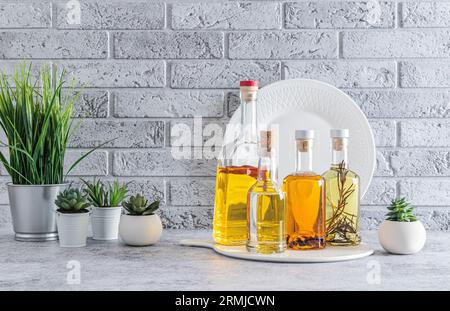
143	65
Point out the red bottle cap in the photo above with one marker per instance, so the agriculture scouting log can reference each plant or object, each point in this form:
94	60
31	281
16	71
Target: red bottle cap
249	83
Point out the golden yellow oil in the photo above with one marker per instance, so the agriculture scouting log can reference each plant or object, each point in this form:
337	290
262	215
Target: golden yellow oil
266	213
342	207
305	211
230	206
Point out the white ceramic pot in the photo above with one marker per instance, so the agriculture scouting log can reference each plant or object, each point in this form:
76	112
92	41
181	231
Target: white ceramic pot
140	230
402	238
105	222
72	229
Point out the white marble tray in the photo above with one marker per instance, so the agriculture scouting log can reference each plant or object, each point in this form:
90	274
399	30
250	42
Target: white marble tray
328	254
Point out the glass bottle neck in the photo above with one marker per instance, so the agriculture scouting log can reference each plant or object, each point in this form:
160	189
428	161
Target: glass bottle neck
248	120
267	169
339	152
304	156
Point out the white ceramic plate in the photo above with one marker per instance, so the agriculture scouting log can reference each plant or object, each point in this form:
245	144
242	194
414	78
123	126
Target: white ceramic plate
311	104
328	254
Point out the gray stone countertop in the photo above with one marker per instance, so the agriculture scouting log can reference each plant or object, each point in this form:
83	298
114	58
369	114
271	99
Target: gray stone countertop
168	266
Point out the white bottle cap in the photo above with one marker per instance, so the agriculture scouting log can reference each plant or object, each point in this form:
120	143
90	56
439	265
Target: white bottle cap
304	134
339	133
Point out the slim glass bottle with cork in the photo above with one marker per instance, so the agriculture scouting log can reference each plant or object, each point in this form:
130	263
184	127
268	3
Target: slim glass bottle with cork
266	206
305	199
236	173
342	195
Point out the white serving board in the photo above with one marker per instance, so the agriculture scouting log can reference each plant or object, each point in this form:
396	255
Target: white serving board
328	254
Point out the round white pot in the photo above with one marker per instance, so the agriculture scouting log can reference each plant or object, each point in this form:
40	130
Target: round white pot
140	230
105	222
72	229
402	238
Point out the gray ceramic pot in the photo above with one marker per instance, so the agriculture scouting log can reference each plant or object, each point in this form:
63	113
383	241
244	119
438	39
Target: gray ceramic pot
33	211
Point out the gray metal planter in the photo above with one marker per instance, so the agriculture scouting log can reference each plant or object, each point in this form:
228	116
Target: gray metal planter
33	211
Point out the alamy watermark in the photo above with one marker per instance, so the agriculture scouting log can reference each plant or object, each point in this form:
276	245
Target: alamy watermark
73	16
73	276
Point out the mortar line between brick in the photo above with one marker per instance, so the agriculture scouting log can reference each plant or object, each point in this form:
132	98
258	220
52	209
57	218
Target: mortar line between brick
167	15
110	45
398	15
398	189
340	48
397	133
247	30
109	158
226	45
53	13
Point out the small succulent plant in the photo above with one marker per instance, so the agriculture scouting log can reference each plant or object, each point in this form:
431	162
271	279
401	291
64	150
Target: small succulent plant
400	210
72	201
102	194
138	205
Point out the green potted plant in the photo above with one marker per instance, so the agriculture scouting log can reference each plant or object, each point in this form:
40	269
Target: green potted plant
36	120
106	200
140	225
72	217
401	232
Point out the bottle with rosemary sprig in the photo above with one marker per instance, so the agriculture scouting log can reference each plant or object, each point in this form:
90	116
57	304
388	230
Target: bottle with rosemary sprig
342	195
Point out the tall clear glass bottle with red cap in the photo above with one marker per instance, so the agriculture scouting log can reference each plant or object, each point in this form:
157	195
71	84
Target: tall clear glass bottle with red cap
237	170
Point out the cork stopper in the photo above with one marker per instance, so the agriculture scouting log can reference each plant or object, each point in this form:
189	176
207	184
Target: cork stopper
339	144
304	140
339	139
249	89
304	145
266	141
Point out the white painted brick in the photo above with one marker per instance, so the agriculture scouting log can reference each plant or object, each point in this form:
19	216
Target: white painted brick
7	67
222	74
158	162
184	132
89	103
340	14
283	45
403	103
4	190
236	15
426	191
151	188
412	163
398	43
186	217
125	73
95	164
383	164
344	74
112	15
384	132
192	191
29	14
168	45
126	134
380	192
53	44
434	218
233	101
425	73
425	133
426	14
5	216
168	103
